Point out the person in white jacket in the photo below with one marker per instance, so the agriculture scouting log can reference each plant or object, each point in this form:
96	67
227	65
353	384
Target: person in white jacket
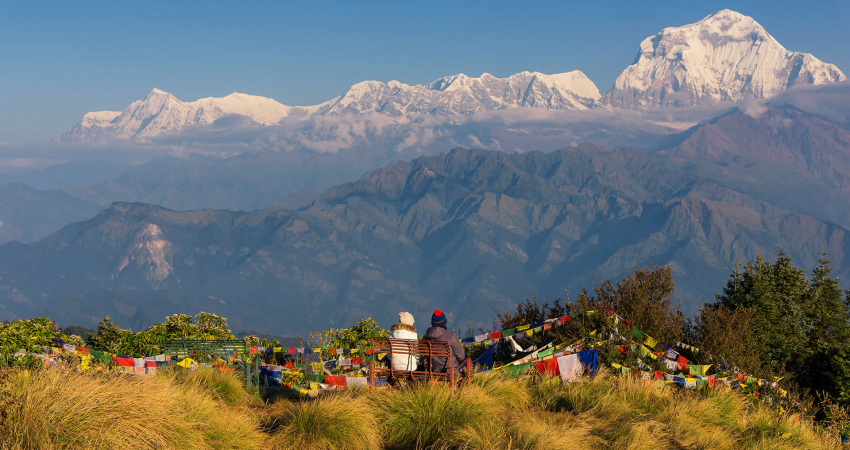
404	330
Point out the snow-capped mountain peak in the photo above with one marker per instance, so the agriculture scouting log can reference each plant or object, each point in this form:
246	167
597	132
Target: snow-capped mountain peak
725	56
160	112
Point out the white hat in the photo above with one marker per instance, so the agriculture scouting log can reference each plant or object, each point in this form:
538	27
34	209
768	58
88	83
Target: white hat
405	318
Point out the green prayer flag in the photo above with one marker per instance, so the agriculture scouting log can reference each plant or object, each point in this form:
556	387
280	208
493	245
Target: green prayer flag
316	378
509	332
488	343
644	352
538	330
637	334
545	353
514	371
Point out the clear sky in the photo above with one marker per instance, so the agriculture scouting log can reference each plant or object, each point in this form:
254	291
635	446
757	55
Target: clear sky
59	60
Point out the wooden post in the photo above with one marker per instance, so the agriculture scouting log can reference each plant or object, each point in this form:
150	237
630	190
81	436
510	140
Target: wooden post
468	371
452	375
372	374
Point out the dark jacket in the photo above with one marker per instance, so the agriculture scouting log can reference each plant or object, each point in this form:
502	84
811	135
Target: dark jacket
439	363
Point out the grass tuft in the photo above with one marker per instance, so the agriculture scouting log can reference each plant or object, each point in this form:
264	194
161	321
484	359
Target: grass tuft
331	422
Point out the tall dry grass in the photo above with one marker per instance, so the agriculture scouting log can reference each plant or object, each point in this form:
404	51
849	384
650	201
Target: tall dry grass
64	410
336	421
204	410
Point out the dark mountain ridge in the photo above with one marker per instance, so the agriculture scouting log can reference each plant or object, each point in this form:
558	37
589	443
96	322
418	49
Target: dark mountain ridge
469	231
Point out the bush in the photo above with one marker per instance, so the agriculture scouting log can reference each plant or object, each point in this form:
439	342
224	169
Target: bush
327	423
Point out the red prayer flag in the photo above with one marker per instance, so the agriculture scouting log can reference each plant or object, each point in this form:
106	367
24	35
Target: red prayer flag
658	375
565	319
334	381
683	363
357	360
369	351
291	351
548	367
289	365
332	351
712	381
624	349
742	377
547	327
83	350
253	350
150	363
495	335
123	362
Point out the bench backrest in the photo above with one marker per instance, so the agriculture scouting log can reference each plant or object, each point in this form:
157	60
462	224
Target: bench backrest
411	347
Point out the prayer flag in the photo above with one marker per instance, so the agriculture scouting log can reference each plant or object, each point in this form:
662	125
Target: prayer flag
682	363
699	370
513	371
253	350
335	381
637	334
495	335
569	367
278	349
565	319
650	342
523	328
548	367
509	332
188	363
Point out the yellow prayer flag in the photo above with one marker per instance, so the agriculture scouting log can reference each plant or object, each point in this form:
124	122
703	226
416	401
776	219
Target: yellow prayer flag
355	350
615	365
188	363
278	349
303	392
85	362
381	355
529	332
523	328
314	385
650	342
318	367
317	350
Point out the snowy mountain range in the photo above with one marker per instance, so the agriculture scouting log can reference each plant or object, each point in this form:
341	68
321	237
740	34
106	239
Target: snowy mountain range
725	56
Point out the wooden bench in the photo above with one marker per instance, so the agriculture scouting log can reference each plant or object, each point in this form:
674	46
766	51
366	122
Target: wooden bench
416	349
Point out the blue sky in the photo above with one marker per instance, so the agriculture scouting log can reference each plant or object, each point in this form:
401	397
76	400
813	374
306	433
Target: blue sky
60	60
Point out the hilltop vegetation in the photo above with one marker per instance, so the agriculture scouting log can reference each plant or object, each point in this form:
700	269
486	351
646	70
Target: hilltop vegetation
771	321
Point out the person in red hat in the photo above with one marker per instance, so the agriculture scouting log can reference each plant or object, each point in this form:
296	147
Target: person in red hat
439	332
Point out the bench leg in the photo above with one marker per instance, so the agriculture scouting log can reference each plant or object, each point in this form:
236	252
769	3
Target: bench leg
371	376
468	372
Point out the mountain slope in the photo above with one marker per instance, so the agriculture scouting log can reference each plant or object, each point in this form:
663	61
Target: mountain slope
781	155
725	56
28	214
470	231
